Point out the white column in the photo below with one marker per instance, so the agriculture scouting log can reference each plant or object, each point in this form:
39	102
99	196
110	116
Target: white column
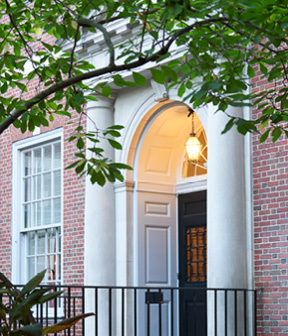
227	260
99	263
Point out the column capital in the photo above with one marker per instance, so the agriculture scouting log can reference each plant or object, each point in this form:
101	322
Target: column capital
124	186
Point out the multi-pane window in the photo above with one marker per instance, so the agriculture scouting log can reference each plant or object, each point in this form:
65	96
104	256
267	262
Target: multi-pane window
41	210
196	254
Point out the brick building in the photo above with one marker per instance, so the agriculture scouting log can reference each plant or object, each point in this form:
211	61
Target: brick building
146	230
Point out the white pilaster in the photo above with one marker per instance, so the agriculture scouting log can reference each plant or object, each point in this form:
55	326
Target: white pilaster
227	260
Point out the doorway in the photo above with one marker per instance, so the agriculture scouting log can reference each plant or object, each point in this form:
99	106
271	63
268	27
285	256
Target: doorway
192	263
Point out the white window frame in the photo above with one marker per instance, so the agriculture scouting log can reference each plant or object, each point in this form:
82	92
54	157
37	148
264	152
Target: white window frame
18	271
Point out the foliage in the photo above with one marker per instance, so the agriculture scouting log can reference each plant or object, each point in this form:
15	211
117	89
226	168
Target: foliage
209	49
16	316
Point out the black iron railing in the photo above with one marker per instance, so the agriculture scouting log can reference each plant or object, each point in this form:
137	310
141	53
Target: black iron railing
142	311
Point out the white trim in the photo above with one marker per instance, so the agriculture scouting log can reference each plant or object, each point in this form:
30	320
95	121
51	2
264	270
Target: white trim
17	271
249	201
192	185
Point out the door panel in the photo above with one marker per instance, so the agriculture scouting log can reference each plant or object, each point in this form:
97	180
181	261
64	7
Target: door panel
192	263
157	243
156	258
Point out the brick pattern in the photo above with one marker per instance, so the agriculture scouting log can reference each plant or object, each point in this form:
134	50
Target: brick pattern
270	201
5	203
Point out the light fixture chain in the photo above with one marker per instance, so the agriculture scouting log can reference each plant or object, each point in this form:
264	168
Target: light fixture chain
192	123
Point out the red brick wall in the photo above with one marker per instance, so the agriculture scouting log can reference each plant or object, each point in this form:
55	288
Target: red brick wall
73	201
270	188
5	203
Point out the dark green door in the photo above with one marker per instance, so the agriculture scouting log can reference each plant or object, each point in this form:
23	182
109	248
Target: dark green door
192	263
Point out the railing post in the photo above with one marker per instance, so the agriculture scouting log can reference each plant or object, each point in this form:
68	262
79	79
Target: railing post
215	310
55	306
148	316
245	313
226	311
122	311
1	301
69	307
110	311
135	311
160	316
83	310
96	311
255	312
235	312
172	312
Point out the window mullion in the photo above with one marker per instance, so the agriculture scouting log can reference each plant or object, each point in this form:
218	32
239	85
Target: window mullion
32	200
46	254
52	183
42	186
36	253
57	256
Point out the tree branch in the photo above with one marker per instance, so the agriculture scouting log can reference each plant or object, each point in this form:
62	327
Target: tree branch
73	51
93	24
12	20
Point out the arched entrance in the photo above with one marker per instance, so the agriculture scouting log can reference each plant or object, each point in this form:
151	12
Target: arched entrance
163	234
158	167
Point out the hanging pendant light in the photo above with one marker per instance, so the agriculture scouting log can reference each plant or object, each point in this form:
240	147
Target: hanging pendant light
193	145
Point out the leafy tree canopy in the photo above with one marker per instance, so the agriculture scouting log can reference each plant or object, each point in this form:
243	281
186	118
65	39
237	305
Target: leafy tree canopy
208	49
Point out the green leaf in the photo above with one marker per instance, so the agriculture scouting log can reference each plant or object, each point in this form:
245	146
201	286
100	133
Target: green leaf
181	90
106	91
98	177
32	284
118	127
80	143
21	86
121	166
49	297
228	126
4	87
5	281
119	81
65	324
169	72
72	165
28	330
158	76
263	124
250	71
79	97
91	98
276	133
80	167
115	144
264	136
113	133
139	79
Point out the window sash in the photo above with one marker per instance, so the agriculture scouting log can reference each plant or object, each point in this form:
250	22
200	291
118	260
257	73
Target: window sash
41	186
43	251
41	210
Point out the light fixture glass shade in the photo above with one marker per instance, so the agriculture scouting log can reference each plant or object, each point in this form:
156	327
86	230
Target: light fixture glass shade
193	148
